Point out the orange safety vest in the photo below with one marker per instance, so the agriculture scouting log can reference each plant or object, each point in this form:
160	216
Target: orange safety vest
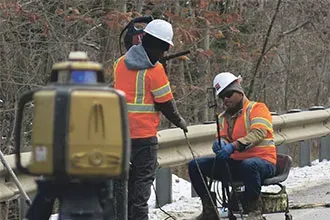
142	88
254	115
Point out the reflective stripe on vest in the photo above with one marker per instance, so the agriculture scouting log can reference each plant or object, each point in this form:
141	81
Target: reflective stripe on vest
266	143
115	67
162	91
140	90
139	106
247	121
221	122
263	122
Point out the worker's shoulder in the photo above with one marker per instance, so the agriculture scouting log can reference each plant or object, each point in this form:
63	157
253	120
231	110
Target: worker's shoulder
158	67
119	59
157	70
258	104
260	107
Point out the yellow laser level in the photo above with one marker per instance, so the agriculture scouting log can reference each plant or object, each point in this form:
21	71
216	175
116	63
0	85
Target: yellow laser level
80	126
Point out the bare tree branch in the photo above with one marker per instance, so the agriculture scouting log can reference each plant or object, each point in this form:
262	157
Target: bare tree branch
251	86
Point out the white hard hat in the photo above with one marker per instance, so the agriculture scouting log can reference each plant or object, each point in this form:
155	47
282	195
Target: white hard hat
222	80
160	29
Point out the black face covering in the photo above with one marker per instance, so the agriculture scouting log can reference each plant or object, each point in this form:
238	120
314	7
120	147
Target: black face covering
154	47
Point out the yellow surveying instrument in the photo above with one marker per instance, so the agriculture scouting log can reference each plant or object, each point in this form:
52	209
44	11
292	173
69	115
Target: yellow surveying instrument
80	141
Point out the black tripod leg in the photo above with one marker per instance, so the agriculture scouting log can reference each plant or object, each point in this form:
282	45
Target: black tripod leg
108	200
121	200
41	208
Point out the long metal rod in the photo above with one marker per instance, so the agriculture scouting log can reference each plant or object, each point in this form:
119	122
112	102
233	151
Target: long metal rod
225	187
200	173
13	175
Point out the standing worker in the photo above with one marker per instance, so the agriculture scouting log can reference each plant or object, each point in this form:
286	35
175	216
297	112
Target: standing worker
247	144
139	74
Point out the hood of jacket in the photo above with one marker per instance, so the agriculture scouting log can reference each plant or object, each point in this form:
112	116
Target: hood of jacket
136	58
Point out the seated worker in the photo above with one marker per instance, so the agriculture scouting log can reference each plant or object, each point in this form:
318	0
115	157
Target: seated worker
247	145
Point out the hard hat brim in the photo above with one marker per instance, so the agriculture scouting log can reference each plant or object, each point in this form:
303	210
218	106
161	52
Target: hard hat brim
154	35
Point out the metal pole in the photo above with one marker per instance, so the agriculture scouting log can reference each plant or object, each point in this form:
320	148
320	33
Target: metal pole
305	153
163	186
324	148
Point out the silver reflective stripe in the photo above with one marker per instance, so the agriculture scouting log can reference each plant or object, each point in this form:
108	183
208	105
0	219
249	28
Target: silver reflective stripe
139	95
164	90
266	143
221	122
141	108
262	121
247	116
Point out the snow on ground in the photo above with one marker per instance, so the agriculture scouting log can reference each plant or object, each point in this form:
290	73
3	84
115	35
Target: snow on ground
184	205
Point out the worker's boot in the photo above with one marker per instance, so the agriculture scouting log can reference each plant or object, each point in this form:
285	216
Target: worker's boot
209	212
237	203
254	209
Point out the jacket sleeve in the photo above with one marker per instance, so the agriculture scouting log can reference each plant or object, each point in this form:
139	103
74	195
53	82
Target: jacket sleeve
170	111
261	126
253	138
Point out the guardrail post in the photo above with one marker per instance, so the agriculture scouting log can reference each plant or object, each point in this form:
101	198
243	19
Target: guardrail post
163	186
324	152
282	149
305	153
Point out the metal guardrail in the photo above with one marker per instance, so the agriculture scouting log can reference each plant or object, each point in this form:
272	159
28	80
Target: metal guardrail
173	151
288	128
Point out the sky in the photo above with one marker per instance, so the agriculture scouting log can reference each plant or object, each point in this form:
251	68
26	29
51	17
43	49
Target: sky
185	206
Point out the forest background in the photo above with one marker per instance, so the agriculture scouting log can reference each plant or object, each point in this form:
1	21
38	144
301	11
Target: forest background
280	48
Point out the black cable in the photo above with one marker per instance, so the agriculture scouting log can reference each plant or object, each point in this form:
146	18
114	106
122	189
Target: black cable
160	208
200	173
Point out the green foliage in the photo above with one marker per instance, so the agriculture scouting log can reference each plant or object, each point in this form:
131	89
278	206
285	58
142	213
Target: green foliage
245	28
219	44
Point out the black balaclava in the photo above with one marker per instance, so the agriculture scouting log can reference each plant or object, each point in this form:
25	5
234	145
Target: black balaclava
154	47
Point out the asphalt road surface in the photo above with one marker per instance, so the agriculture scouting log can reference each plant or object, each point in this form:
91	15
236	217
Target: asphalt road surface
318	194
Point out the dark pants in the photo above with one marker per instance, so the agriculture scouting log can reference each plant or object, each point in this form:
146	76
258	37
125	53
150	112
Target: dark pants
141	177
251	171
89	195
42	205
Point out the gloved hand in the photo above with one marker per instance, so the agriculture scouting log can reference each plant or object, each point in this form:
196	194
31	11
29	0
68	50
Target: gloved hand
183	125
225	151
216	147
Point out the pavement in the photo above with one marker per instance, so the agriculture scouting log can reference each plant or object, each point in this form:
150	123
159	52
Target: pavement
315	197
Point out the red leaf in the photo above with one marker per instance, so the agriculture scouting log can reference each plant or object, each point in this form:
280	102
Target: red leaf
33	18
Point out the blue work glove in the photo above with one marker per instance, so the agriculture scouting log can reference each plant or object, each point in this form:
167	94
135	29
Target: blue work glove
216	147
225	151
